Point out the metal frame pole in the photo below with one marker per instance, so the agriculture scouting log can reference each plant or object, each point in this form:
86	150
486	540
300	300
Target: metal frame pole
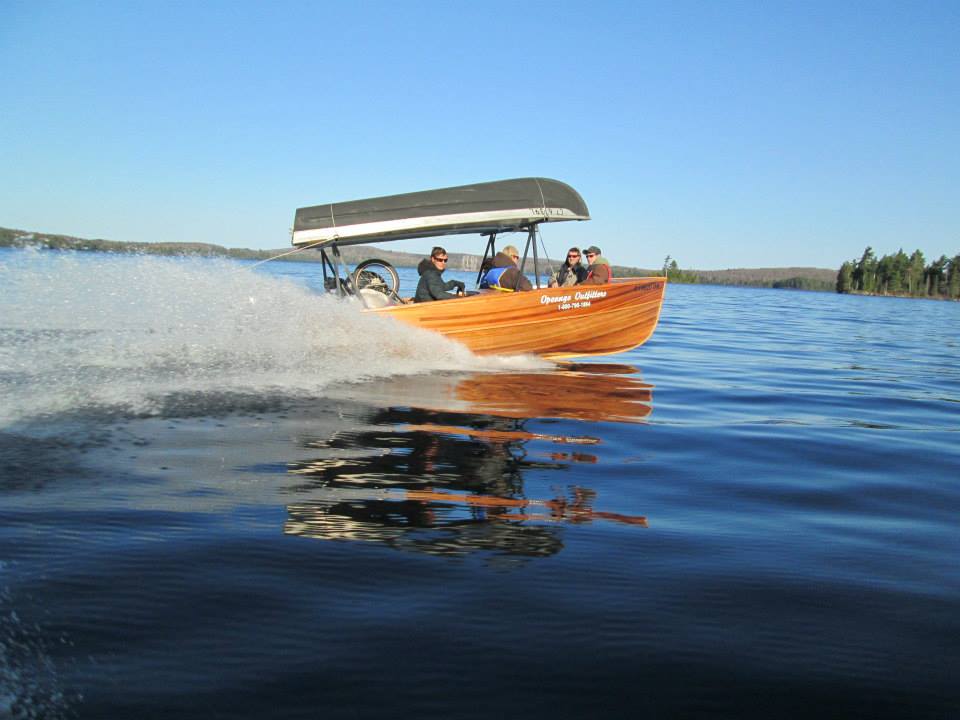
531	236
490	251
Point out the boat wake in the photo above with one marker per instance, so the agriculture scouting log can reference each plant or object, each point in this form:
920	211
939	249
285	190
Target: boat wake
140	336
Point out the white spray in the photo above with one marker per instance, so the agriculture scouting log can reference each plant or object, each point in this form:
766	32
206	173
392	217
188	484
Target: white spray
127	334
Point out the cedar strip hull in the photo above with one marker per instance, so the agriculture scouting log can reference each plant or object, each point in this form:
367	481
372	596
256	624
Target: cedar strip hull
551	322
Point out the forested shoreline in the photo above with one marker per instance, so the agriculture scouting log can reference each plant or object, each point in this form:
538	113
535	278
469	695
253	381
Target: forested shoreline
794	278
789	278
901	275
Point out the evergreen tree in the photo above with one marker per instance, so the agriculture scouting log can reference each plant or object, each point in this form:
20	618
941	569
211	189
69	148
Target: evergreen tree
936	276
865	272
915	274
868	263
953	278
899	274
672	271
884	275
899	268
845	278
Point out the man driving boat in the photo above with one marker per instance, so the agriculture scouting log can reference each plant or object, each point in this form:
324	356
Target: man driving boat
431	285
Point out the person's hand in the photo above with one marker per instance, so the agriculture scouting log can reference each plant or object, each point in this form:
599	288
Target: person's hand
461	288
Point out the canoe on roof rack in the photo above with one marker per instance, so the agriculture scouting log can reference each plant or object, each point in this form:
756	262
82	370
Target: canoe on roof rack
552	322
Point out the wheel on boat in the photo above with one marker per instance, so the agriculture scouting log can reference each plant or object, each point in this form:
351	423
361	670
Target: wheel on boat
376	283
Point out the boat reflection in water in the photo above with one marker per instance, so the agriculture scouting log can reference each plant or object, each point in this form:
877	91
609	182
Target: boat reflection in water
440	466
599	392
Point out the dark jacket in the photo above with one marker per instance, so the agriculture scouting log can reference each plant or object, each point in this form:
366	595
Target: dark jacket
432	286
508	280
567	276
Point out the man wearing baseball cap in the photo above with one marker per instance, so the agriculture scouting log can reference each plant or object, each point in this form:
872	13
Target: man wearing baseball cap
599	271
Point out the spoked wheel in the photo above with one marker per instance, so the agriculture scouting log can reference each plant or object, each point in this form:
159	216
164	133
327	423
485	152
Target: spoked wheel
376	283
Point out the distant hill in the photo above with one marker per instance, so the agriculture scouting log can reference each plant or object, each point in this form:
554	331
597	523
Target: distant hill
25	238
795	278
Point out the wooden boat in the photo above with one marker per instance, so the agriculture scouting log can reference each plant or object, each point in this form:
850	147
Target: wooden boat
551	322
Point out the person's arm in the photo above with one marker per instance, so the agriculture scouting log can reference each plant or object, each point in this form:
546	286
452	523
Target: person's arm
437	288
451	284
599	275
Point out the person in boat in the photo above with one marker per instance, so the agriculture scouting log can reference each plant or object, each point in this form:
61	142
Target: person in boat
503	273
571	272
599	271
432	285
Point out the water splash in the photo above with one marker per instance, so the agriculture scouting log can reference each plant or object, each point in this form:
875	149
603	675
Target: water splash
142	335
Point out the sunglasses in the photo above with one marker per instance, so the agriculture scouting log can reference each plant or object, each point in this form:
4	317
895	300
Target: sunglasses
573	256
591	254
440	259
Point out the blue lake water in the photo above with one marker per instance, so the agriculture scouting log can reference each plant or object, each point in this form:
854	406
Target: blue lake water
222	495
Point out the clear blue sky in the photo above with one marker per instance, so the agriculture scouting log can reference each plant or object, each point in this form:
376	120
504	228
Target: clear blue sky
725	134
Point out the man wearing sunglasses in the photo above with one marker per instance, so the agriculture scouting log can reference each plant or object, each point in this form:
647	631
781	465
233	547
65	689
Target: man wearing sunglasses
570	273
431	285
599	272
503	274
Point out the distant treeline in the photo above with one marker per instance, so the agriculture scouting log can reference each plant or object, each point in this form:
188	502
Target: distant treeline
791	278
901	275
22	238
